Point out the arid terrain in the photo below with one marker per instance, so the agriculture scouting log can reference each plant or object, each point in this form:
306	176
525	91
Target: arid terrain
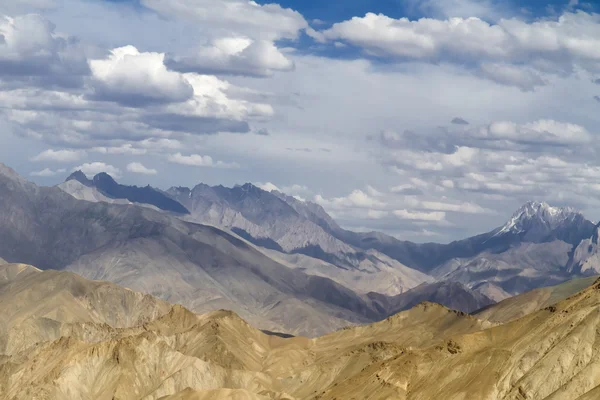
65	337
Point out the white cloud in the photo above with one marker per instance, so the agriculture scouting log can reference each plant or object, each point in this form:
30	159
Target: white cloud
31	50
456	8
511	52
211	99
94	168
420	216
139	168
377	214
197	160
63	156
137	79
123	149
356	199
234	56
373	192
268	187
47	172
268	21
466	208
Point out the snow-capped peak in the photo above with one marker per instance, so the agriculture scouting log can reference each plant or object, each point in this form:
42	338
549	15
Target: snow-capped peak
536	214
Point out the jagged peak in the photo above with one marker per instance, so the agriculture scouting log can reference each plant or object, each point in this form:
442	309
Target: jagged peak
250	187
104	177
541	212
79	176
11	174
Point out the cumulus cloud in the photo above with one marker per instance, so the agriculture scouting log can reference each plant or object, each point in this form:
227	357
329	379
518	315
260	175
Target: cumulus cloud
511	51
456	8
465	208
233	56
268	187
407	190
196	160
377	214
139	168
32	53
136	79
47	172
356	199
420	216
495	162
460	143
269	21
160	105
127	148
63	156
94	168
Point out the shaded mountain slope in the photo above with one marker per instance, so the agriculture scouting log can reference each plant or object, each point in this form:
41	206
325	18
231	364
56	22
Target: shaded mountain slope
533	249
45	305
537	299
550	354
449	294
199	266
108	187
386	275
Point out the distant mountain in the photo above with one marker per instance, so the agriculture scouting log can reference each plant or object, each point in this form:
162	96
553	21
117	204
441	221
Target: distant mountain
533	249
532	301
108	187
40	306
539	245
586	256
537	222
453	295
282	223
158	253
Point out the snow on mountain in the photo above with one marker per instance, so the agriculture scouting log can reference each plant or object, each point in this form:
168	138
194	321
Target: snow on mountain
540	222
534	211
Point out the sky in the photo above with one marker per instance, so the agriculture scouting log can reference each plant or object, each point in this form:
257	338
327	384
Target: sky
430	120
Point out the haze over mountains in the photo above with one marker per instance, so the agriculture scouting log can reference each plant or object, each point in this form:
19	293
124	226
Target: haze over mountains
533	249
95	318
283	264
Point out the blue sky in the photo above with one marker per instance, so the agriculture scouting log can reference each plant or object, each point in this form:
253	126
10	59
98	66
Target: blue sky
334	11
431	129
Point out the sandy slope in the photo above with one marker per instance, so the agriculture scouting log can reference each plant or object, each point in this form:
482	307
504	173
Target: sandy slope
428	352
526	303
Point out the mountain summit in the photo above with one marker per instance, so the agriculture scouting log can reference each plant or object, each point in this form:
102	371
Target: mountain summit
80	177
107	186
539	222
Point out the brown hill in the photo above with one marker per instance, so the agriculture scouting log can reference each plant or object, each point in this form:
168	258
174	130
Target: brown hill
427	352
537	299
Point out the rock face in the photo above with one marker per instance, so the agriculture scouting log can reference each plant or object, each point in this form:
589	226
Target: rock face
537	222
453	295
277	222
586	256
426	352
527	303
154	252
110	189
533	249
40	306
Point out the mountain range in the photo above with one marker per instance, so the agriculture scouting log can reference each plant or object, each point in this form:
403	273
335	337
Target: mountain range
65	337
281	263
538	245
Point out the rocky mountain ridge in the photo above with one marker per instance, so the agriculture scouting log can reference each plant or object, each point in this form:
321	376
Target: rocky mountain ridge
536	247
